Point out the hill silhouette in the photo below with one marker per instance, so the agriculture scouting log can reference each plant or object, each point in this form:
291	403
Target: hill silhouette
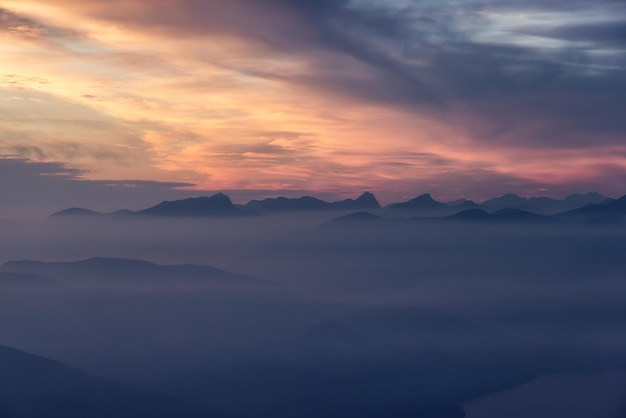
424	201
611	211
386	352
77	212
463	204
357	217
126	270
35	387
507	215
543	205
307	203
216	205
220	205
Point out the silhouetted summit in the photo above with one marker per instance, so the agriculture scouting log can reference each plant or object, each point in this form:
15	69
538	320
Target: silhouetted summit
507	200
76	212
221	205
277	204
366	201
463	204
471	215
424	201
216	205
307	203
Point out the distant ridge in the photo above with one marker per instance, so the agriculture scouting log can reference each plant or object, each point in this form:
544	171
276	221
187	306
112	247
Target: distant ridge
76	212
424	201
216	205
543	204
611	211
220	205
120	270
358	217
502	215
307	203
463	204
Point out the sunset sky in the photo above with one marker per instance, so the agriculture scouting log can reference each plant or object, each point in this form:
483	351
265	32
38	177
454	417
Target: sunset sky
459	98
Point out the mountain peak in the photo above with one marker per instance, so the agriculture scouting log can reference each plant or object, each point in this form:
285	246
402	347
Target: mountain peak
366	200
506	200
423	201
217	204
75	212
366	196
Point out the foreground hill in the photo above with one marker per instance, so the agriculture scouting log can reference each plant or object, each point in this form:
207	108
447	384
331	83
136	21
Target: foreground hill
36	387
373	363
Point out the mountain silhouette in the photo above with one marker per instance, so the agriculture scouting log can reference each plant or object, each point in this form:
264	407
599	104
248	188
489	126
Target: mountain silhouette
216	205
543	204
578	200
357	217
384	352
126	270
502	215
463	204
424	201
287	204
36	387
507	200
471	215
307	203
612	211
220	205
76	212
366	201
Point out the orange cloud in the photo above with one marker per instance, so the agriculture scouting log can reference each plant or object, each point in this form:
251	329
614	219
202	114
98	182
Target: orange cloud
275	94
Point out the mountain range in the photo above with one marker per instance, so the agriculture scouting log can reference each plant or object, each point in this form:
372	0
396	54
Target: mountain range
306	203
610	212
220	205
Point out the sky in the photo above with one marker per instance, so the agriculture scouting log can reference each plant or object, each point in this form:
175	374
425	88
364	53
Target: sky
469	98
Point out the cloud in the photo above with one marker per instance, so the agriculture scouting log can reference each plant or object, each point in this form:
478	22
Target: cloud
192	85
35	189
25	28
